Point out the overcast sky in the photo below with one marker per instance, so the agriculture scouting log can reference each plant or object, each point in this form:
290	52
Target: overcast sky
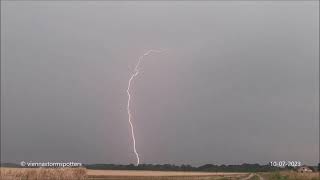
238	82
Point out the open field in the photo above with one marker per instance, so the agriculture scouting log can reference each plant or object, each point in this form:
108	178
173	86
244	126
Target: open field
290	175
87	174
43	173
155	173
161	175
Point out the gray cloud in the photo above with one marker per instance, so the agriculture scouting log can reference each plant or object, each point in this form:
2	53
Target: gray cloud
239	82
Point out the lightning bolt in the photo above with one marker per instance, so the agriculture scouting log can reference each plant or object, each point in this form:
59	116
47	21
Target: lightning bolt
134	74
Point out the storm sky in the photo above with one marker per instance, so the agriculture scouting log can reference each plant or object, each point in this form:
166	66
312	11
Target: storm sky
238	83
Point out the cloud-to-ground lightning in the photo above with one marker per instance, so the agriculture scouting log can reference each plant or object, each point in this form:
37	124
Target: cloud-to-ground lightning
134	74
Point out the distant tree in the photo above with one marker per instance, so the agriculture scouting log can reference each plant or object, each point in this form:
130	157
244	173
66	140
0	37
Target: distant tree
184	167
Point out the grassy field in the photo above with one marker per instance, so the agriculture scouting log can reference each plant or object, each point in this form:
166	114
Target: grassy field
290	175
87	174
161	175
43	174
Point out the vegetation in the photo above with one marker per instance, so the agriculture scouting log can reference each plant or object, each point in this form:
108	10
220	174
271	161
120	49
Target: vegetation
291	175
84	174
266	171
171	167
204	168
43	174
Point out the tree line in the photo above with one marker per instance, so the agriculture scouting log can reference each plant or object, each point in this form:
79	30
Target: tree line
171	167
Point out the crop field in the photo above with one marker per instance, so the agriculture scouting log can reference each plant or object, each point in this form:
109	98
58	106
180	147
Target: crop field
87	174
290	175
160	175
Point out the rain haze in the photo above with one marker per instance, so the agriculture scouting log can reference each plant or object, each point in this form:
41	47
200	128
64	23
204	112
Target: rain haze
238	82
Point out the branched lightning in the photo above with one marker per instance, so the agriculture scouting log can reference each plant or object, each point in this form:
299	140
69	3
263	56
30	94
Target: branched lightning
134	74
